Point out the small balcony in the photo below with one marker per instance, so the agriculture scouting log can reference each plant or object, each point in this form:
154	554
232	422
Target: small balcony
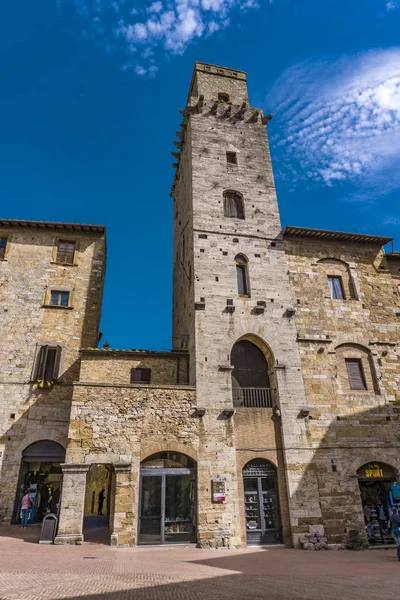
252	397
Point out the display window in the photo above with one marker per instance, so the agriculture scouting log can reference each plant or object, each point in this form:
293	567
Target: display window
167	499
380	492
40	475
261	504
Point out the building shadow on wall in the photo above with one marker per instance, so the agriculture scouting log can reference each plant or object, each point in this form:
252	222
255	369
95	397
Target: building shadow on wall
353	466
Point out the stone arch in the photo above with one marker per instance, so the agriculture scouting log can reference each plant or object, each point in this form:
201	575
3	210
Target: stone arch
44	434
355	350
153	448
261	344
335	267
246	457
371	456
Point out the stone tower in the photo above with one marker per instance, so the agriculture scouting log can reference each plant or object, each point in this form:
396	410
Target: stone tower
230	284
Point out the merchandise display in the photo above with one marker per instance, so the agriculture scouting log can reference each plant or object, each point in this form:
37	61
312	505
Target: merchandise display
43	482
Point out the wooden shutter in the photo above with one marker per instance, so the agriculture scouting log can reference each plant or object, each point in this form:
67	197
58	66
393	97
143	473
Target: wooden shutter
355	374
57	361
41	362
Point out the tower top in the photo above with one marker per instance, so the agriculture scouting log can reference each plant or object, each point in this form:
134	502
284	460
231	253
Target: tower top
218	84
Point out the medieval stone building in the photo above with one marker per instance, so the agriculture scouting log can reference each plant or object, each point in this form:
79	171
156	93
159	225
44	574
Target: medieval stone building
275	415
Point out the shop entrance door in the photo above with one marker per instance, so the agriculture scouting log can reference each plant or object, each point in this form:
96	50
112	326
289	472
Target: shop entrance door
263	523
167	503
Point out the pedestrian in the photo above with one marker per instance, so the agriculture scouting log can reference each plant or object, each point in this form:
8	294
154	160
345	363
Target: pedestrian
395	522
25	506
101	502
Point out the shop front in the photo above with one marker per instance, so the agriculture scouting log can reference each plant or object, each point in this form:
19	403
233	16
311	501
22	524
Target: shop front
167	499
40	474
261	503
380	492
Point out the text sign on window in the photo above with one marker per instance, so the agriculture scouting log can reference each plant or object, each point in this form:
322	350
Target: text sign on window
218	489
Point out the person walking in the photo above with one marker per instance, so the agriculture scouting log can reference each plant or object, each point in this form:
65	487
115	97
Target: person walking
395	522
101	502
26	503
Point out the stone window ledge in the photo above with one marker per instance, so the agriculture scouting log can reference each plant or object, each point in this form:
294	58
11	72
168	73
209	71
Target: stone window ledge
59	307
54	262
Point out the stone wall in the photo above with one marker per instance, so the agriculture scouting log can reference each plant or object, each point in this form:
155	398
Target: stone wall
347	428
114	366
29	414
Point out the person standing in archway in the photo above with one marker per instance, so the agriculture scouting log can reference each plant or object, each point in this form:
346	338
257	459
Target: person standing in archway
102	495
26	503
395	522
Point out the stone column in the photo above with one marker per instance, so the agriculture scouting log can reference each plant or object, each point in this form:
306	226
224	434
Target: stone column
72	504
122	526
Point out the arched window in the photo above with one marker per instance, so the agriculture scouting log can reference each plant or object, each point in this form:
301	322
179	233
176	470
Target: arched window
233	205
250	379
242	275
356	370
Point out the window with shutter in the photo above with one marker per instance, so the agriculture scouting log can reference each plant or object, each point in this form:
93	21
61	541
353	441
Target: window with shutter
140	375
355	374
233	205
48	364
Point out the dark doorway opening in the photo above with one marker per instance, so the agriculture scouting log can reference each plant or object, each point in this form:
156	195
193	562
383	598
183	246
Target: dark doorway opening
379	492
96	522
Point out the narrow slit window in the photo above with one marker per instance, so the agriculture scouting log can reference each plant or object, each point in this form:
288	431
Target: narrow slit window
231	158
59	298
140	375
355	374
3	246
66	252
242	276
335	287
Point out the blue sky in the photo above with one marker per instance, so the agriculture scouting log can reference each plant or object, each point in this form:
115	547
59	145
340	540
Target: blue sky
89	106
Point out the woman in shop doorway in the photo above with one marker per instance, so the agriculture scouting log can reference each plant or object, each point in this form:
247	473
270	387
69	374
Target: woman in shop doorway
395	522
26	503
101	502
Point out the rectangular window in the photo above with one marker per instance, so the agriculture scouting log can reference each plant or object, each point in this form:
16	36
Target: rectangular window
3	246
231	158
242	280
48	364
59	298
355	374
336	287
140	375
65	252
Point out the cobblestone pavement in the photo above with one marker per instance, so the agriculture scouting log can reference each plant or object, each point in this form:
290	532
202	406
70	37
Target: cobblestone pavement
29	571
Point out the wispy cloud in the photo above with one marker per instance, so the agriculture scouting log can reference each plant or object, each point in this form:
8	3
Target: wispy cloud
163	26
339	121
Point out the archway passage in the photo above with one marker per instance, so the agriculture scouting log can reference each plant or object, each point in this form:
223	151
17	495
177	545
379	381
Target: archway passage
261	503
250	379
167	504
98	503
379	491
40	474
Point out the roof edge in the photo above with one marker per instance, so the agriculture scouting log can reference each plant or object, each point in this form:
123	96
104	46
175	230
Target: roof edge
330	235
88	228
107	352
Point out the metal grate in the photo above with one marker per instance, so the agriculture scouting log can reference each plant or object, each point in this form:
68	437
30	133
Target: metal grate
252	397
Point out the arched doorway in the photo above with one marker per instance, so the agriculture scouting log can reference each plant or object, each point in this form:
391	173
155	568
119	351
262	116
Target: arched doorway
261	503
379	491
167	503
40	474
250	379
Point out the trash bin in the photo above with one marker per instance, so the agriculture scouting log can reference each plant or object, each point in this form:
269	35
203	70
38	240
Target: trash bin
48	532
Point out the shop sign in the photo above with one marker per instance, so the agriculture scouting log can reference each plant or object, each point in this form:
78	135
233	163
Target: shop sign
376	471
218	489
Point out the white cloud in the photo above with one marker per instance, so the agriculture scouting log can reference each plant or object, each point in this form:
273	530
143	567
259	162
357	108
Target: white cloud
340	121
165	26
